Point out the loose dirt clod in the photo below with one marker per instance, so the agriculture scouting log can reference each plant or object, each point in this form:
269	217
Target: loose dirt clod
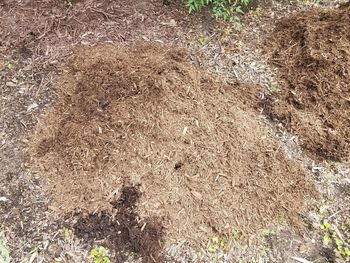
124	232
205	161
312	54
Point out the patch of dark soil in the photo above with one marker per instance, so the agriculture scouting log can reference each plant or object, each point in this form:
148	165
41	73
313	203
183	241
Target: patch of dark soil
311	50
125	232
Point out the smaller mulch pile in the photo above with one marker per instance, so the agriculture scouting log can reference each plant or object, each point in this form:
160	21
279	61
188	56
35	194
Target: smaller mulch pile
311	50
204	160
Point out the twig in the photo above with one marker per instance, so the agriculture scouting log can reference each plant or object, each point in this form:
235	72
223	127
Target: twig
338	212
106	15
301	260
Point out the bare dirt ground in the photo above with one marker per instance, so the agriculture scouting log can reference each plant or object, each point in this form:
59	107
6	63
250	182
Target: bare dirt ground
107	141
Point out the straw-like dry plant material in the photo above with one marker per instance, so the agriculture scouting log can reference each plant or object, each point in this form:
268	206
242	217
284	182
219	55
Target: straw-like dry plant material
203	159
312	53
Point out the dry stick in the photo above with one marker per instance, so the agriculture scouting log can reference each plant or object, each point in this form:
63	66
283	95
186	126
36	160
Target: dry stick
338	212
106	15
301	260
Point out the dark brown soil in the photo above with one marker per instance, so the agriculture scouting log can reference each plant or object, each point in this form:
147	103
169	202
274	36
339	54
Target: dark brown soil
124	232
205	162
312	53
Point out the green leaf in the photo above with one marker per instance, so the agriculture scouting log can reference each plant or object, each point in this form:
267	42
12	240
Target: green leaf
326	239
211	249
106	260
346	252
326	225
239	10
338	243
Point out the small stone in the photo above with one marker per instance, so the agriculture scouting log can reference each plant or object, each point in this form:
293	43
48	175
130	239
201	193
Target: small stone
11	84
3	199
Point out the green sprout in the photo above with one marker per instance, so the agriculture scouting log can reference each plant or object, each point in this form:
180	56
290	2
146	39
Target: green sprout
100	255
225	9
216	245
331	235
68	235
8	64
227	31
234	235
201	40
326	226
267	232
69	3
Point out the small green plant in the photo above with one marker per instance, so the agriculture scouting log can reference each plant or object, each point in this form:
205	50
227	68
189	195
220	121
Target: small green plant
68	235
216	245
227	9
234	235
264	248
8	64
332	236
256	12
266	232
100	255
201	40
69	3
227	31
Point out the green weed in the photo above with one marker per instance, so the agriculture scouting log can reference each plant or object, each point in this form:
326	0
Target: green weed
69	3
331	237
217	244
100	255
201	40
8	64
227	9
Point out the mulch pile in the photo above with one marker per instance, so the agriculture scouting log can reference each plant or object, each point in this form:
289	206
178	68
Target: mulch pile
204	160
311	50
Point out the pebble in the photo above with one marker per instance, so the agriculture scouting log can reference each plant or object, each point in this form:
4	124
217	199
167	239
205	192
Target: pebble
3	199
11	84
